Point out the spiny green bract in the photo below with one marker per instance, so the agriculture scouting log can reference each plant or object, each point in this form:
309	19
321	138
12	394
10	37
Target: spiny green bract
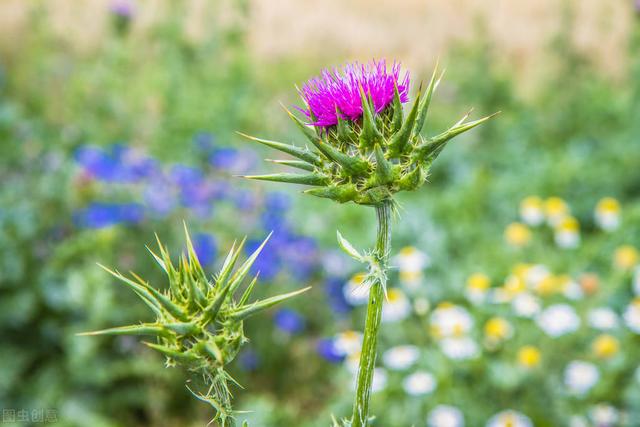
199	322
369	160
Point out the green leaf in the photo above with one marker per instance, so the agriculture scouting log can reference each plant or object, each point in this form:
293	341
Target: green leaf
301	153
340	193
153	329
426	101
349	249
292	178
396	122
400	139
262	305
384	168
370	133
299	164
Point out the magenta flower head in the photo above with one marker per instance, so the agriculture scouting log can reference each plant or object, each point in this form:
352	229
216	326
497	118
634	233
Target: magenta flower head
338	91
366	147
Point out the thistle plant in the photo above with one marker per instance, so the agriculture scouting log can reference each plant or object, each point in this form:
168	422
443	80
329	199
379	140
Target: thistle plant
199	320
365	149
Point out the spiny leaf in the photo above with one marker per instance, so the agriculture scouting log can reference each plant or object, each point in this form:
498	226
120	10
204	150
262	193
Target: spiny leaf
352	164
349	249
301	153
370	133
396	122
340	193
142	329
292	178
430	149
229	263
262	305
142	292
306	130
245	296
426	101
345	133
400	139
384	168
241	273
166	302
172	353
299	164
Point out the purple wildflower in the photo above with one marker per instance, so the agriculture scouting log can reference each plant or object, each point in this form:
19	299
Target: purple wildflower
327	349
205	247
341	89
289	321
100	215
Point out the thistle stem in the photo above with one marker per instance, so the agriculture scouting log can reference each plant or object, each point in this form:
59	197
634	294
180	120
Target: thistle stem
374	313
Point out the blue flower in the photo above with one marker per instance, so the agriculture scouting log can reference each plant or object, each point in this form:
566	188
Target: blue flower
289	321
268	263
249	360
100	215
119	164
205	247
335	294
276	201
327	349
203	141
232	160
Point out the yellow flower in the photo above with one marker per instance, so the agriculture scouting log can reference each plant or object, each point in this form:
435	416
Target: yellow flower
517	234
548	285
497	329
532	210
514	285
478	282
529	356
605	346
608	205
626	257
556	209
567	232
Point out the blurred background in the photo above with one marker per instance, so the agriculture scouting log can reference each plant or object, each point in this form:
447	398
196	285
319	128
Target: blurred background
517	265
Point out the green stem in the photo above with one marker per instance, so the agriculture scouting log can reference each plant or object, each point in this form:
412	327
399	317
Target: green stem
374	313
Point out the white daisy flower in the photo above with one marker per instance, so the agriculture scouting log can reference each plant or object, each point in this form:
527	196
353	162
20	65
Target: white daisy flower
567	233
509	418
449	320
411	261
536	274
607	214
556	210
572	290
525	305
604	415
421	306
355	291
445	416
419	383
631	315
396	306
580	377
459	348
603	319
348	342
532	210
558	319
477	288
401	357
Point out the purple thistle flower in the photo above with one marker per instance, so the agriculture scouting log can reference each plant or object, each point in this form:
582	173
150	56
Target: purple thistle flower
341	89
